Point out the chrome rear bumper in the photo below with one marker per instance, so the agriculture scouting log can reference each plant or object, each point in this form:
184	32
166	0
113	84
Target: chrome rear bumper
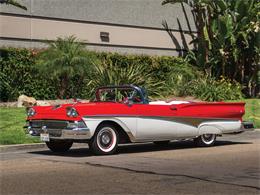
248	126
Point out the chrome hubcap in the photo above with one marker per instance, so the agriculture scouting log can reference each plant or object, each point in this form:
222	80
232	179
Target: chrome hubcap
106	139
208	138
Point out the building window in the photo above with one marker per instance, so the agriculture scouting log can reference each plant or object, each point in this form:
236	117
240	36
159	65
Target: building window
104	36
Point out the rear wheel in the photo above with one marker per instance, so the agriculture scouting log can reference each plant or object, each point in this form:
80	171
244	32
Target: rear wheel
59	145
205	140
105	140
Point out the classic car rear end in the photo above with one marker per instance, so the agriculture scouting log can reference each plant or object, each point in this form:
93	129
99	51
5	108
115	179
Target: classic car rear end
123	114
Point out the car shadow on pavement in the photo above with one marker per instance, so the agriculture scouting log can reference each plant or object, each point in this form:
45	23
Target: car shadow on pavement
177	145
136	148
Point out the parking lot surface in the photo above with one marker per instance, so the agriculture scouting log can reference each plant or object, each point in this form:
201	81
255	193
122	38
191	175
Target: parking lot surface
230	167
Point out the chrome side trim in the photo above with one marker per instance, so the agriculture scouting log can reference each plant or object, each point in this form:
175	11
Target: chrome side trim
192	121
131	136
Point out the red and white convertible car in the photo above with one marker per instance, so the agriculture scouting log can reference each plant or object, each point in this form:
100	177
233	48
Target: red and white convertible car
123	114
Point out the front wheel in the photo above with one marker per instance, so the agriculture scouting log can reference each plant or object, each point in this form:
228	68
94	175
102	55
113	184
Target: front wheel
205	140
105	140
59	145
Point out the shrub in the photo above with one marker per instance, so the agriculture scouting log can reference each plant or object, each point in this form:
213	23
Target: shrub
163	76
171	73
176	73
65	59
209	89
18	75
112	74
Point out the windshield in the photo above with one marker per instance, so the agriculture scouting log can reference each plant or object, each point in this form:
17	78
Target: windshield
118	94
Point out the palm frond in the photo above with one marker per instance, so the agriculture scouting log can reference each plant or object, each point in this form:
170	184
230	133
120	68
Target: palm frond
64	59
113	74
14	3
174	1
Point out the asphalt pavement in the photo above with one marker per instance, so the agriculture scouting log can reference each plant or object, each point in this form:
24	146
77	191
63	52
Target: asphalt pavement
230	167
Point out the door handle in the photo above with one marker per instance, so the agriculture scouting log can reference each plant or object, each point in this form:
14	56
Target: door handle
173	108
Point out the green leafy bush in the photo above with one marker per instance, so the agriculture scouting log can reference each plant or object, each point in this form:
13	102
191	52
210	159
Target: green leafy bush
65	59
112	74
19	75
176	72
209	89
170	73
163	76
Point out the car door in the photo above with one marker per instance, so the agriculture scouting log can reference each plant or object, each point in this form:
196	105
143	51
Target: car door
128	116
156	122
123	114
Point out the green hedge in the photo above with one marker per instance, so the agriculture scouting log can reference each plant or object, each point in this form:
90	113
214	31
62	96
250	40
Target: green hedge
20	74
171	73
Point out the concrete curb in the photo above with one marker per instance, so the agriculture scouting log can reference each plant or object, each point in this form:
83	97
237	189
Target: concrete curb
7	148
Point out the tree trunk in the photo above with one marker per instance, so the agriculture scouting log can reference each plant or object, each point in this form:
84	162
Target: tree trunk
63	86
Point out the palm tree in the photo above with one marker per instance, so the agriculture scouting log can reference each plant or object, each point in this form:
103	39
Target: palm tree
14	3
64	59
228	38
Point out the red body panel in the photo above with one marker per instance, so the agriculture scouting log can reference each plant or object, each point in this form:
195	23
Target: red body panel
192	109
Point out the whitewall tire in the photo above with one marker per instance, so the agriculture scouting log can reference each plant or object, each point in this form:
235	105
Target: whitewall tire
105	140
205	140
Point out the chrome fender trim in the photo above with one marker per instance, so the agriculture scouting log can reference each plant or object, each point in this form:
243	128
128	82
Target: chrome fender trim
93	122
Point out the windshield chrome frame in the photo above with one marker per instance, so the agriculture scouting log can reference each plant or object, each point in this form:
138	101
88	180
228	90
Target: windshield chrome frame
143	96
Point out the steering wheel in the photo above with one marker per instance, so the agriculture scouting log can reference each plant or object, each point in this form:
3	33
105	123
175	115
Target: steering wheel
136	99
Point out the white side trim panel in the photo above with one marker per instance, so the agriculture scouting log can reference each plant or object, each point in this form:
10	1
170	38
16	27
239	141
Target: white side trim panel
161	129
149	129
